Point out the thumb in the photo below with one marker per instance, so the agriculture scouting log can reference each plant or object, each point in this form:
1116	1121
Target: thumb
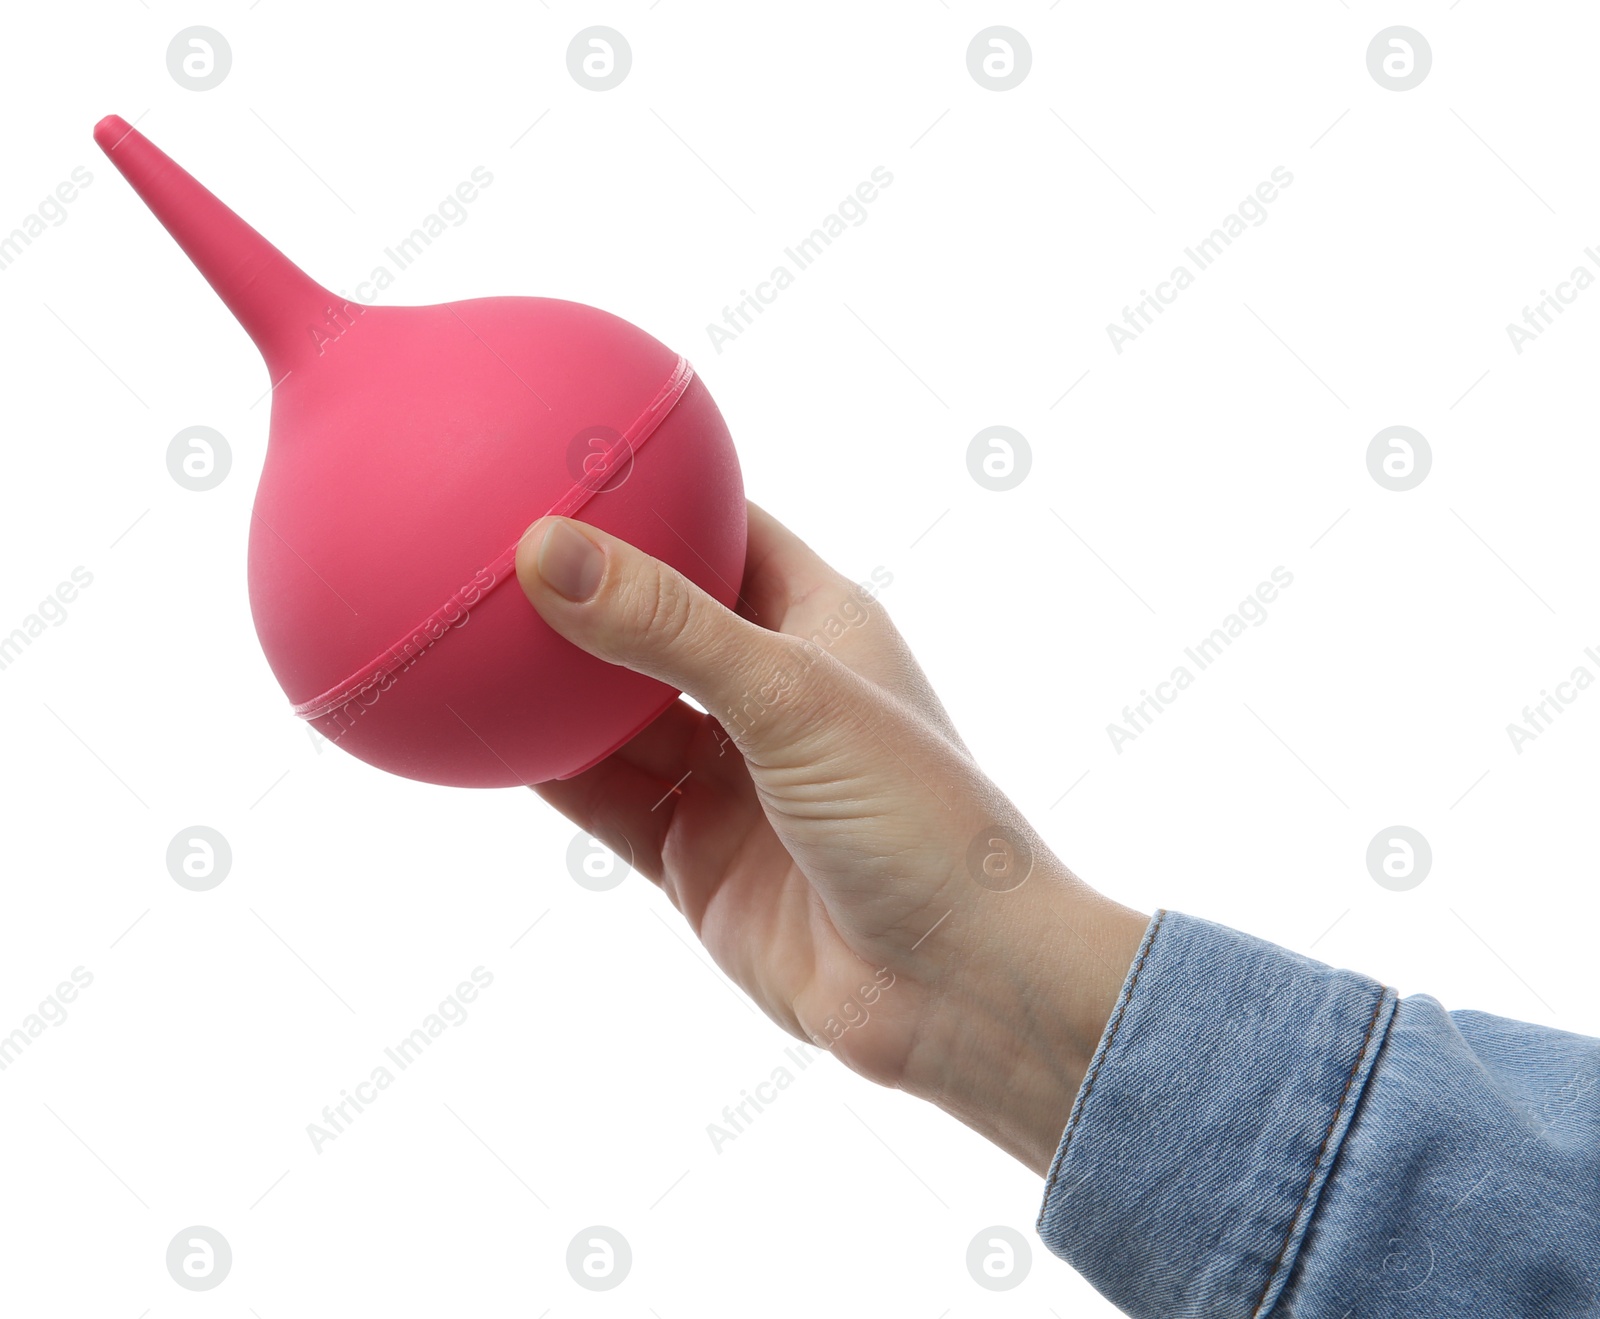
624	607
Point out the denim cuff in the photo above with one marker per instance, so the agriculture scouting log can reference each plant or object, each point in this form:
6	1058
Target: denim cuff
1208	1121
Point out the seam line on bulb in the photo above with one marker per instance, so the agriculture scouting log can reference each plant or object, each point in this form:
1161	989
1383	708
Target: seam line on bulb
456	610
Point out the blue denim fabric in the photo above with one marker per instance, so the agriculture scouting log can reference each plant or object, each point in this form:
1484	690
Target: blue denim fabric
1260	1134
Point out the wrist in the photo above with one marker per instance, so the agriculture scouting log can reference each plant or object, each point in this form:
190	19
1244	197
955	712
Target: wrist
1016	1026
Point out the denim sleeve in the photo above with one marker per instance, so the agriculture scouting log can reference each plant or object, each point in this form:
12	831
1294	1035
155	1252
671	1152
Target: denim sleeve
1260	1134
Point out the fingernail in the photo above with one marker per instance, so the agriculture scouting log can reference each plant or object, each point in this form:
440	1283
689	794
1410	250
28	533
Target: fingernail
570	563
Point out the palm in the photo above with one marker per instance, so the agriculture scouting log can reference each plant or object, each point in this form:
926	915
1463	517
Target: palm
743	853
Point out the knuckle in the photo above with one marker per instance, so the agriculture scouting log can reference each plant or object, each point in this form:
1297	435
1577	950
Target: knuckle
663	607
796	655
805	674
776	690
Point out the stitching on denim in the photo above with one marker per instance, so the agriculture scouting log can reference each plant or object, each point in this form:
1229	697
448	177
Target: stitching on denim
1088	1085
1316	1163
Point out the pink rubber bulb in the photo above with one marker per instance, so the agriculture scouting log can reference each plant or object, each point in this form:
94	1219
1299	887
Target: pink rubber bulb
409	450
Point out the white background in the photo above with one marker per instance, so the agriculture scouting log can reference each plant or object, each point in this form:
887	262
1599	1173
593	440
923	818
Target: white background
1228	440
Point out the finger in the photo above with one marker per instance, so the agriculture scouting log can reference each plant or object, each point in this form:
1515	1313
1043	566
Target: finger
621	805
779	568
791	588
682	740
663	745
627	608
634	812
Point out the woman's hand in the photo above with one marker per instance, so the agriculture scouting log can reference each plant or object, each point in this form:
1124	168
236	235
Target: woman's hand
828	836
